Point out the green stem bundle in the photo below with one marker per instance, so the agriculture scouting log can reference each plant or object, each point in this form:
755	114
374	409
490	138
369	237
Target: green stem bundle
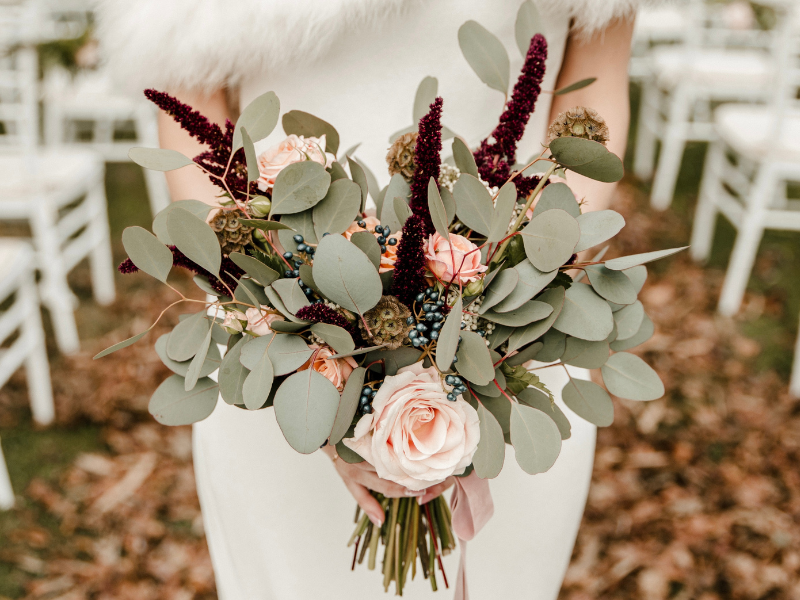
409	531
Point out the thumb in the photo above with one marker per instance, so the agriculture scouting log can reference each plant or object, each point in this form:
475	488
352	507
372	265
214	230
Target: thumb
371	507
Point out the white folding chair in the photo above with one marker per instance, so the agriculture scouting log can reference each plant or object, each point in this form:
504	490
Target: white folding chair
746	172
20	322
712	65
59	192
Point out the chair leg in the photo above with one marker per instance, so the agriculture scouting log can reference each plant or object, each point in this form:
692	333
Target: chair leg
644	155
674	142
751	229
101	262
37	367
55	292
705	216
6	491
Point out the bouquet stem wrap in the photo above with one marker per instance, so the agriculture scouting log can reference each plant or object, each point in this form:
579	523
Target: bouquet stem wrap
472	508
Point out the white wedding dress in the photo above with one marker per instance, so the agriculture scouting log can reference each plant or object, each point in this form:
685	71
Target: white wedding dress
277	522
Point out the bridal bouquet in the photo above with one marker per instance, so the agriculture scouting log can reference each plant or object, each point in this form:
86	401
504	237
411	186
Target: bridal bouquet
400	337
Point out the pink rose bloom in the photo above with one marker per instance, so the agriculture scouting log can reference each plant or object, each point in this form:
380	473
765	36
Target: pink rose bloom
441	260
389	257
415	436
291	150
335	370
233	321
258	321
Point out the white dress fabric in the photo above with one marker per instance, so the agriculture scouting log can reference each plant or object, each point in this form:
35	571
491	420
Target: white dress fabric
277	522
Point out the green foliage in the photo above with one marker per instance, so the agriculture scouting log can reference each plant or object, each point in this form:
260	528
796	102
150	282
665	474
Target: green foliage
485	54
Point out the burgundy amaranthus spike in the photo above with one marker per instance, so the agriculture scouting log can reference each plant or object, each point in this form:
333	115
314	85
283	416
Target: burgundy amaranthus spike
215	159
409	268
229	270
428	158
320	313
495	158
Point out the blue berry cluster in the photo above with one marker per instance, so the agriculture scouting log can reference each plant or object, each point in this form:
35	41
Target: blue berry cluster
302	248
367	396
383	232
458	386
429	318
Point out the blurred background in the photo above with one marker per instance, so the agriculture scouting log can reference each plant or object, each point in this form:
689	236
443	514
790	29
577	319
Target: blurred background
695	496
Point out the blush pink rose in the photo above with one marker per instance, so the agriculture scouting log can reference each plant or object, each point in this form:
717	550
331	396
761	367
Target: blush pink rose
461	265
415	436
291	150
335	370
258	321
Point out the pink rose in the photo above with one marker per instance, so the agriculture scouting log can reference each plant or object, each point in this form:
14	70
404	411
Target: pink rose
415	436
389	257
461	265
258	321
291	150
232	322
335	370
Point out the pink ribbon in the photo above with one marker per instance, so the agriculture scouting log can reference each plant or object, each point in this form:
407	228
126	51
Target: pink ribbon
472	508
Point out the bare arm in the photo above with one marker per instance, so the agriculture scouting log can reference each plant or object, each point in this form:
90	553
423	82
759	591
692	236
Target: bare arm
605	56
190	182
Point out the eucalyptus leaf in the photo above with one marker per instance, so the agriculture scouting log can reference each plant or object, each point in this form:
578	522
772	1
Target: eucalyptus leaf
499	334
525	335
627	262
301	223
393	359
527	313
629	377
232	373
337	172
171	404
197	208
500	288
298	187
361	351
474	362
259	118
464	159
449	203
531	282
264	224
185	339
120	345
360	177
436	208
637	275
305	408
490	389
348	404
448	337
288	326
372	182
346	275
597	227
368	244
426	93
159	159
554	343
302	123
539	401
398	188
550	239
291	293
349	456
195	239
251	159
473	203
258	383
535	437
573	87
147	252
500	408
614	286
557	195
503	208
526	354
211	364
485	54
629	320
338	209
288	353
528	24
645	332
402	211
197	363
589	401
587	355
254	268
490	454
336	337
585	315
597	257
588	158
249	292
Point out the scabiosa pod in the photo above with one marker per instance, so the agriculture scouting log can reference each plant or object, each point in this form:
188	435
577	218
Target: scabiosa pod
495	158
427	155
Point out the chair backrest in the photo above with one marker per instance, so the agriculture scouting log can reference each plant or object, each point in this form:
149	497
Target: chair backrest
786	93
19	69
